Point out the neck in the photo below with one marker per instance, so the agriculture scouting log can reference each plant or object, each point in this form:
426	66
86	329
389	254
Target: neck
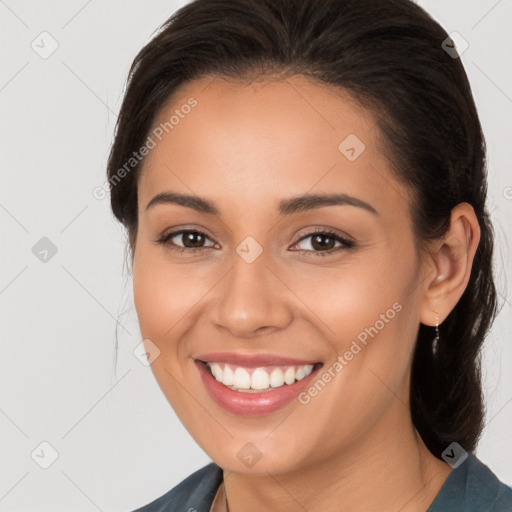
391	469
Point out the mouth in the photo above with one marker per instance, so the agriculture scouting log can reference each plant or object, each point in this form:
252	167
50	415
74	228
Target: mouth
257	380
245	386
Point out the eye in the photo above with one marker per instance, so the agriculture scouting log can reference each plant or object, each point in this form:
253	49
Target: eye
322	243
191	239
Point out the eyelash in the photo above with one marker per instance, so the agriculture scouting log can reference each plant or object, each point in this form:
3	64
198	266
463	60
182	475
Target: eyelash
347	244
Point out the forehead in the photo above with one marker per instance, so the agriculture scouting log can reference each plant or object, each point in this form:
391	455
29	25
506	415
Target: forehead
265	138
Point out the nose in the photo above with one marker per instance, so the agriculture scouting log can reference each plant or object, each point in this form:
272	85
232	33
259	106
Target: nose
251	300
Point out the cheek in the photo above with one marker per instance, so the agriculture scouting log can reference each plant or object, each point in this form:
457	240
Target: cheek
352	297
164	299
369	317
366	311
163	293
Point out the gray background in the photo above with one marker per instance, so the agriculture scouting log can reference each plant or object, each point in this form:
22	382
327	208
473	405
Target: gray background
118	441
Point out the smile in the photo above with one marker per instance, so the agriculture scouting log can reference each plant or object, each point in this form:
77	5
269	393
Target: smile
246	380
256	384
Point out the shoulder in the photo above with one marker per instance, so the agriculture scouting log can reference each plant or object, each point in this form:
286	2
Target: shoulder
486	490
194	494
472	487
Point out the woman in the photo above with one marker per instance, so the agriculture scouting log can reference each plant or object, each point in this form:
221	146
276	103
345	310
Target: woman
304	188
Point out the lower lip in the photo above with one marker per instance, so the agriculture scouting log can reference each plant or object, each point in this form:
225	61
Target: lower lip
252	404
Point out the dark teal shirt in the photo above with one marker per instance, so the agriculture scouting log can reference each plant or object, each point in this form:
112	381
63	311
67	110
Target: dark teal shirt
471	487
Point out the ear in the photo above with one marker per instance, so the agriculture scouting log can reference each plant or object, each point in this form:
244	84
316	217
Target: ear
451	259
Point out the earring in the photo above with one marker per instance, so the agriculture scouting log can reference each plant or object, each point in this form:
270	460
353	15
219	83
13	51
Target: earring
436	339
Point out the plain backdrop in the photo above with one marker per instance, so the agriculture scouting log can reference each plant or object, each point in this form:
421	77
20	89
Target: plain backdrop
116	442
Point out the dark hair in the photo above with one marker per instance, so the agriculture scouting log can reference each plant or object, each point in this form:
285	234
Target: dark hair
388	55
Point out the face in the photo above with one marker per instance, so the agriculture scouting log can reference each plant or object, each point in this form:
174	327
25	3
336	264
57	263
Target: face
306	310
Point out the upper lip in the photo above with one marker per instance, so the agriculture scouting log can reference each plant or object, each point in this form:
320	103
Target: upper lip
252	360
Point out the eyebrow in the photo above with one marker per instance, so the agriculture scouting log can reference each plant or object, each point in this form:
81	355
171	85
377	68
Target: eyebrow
286	206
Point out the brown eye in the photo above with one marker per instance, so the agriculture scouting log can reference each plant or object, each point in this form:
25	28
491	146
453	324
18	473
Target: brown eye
192	238
324	243
185	239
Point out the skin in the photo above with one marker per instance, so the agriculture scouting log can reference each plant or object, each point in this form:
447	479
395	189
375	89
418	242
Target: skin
246	146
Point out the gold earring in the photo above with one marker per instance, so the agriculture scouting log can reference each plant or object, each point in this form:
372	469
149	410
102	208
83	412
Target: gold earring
435	342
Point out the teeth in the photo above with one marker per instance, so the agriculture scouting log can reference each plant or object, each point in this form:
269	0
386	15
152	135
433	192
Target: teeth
216	371
277	378
260	379
289	375
242	379
239	378
228	376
